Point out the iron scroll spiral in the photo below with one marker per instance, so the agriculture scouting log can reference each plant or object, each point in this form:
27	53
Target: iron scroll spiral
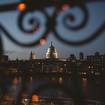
29	31
83	24
51	24
72	18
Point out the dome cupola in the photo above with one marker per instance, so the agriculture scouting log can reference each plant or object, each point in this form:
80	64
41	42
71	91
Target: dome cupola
51	52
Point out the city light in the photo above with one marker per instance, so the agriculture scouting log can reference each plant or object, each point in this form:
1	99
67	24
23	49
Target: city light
21	7
57	76
42	41
65	7
35	98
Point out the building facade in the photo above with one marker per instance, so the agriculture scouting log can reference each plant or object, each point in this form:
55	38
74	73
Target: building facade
93	65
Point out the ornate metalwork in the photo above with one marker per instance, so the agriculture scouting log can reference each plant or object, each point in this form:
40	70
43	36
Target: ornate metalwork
51	23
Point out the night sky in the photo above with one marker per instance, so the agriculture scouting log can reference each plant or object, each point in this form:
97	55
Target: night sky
97	17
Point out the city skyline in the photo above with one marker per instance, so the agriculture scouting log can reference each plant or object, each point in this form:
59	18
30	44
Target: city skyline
77	56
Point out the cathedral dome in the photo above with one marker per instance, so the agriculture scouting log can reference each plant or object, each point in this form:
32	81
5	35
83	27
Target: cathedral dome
51	53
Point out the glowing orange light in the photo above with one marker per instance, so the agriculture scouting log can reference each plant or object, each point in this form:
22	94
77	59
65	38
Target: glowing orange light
21	7
65	7
35	98
42	41
15	81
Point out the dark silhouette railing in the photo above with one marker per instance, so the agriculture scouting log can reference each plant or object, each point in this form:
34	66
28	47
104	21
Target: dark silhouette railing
30	6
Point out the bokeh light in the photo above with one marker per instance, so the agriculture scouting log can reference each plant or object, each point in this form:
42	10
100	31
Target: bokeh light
65	7
35	98
21	7
42	41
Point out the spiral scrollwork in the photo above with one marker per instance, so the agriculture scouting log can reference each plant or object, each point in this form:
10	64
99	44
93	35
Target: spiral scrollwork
72	18
35	23
83	24
52	23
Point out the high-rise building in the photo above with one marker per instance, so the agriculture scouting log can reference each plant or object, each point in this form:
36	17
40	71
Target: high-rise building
81	56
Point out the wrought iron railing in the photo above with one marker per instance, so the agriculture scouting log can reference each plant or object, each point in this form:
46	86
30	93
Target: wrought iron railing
30	6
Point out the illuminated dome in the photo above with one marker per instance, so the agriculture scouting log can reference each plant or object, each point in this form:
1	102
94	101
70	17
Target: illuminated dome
51	53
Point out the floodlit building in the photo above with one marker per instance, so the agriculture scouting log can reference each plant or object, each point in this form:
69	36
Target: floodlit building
93	65
32	56
51	53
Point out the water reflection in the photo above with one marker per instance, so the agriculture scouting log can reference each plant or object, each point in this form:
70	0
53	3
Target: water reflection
85	86
21	89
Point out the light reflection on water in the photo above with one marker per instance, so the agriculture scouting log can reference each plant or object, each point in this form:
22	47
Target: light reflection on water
85	86
25	87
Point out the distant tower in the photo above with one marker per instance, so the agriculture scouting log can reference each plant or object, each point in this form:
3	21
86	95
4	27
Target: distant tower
51	53
81	55
32	56
3	58
72	57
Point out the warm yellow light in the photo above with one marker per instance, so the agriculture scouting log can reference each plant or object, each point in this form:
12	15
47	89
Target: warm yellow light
21	7
60	79
65	7
35	98
42	41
